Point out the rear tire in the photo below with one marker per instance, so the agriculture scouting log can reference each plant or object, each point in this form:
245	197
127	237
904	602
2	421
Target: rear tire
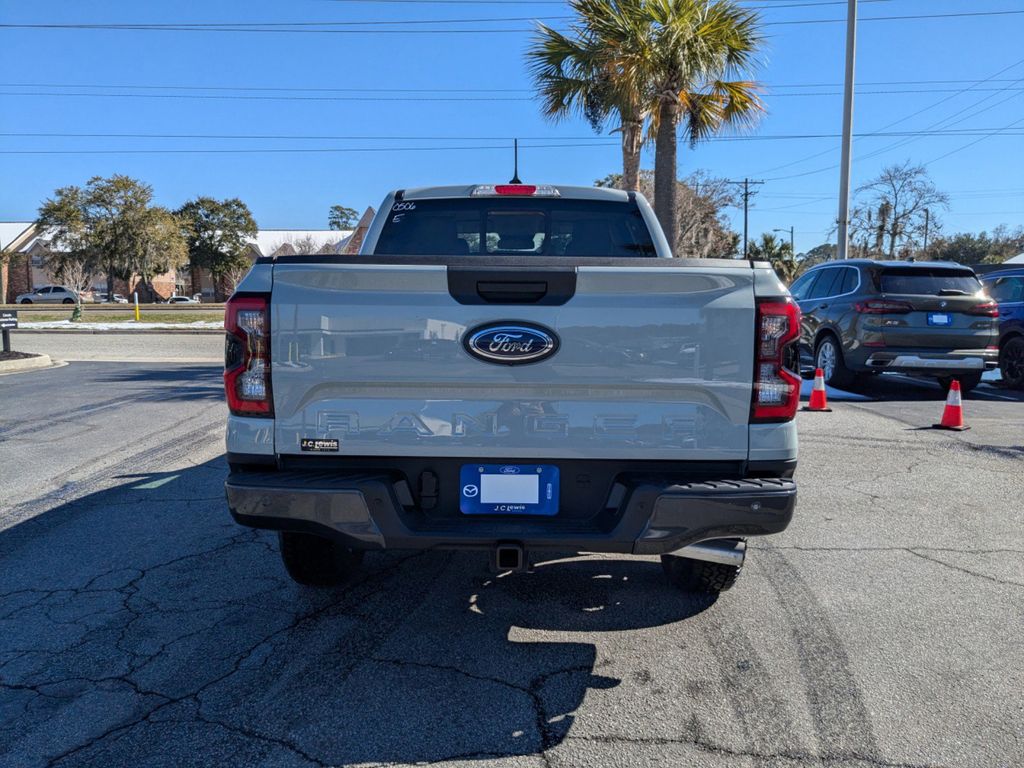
699	576
314	561
968	381
1011	363
828	355
25	301
68	301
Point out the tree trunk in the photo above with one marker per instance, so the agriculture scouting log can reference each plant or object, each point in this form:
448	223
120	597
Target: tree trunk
632	139
666	205
110	282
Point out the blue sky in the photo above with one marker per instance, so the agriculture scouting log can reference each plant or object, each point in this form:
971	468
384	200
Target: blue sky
487	101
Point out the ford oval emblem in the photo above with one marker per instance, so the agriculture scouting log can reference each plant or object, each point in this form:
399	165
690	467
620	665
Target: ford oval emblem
511	343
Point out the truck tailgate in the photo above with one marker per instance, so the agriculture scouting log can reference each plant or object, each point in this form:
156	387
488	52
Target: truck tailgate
654	362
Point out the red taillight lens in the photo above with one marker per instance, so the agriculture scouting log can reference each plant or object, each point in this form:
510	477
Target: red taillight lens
247	355
985	309
882	307
776	383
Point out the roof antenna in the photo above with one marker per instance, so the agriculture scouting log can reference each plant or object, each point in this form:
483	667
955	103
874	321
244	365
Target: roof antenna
515	173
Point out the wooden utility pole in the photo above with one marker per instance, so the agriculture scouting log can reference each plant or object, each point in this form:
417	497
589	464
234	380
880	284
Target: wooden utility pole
746	183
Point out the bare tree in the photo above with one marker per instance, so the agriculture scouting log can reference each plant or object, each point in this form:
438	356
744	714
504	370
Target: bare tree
298	246
703	228
894	209
75	272
234	276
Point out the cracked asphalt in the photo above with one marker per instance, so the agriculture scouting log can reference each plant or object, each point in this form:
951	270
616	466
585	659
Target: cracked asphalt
139	626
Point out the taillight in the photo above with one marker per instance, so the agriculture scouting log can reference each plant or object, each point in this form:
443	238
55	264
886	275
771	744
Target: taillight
882	307
247	355
985	309
776	381
515	190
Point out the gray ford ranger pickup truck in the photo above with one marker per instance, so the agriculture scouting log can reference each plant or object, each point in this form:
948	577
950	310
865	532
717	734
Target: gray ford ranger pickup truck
512	368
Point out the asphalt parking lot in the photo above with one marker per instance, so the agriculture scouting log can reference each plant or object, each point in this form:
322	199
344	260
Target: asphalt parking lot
139	626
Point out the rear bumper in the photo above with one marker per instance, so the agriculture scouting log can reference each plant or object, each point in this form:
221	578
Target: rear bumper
930	362
365	511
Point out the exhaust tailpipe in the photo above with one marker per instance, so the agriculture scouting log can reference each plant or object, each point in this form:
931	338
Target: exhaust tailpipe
723	551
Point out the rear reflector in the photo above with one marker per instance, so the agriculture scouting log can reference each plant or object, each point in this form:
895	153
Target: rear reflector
247	355
776	382
515	190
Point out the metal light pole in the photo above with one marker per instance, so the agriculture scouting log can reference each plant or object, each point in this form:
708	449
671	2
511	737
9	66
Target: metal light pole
927	221
844	163
792	232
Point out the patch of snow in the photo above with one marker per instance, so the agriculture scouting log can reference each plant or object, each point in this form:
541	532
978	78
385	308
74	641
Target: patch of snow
124	325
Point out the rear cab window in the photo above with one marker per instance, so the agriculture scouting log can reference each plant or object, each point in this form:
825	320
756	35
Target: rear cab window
928	281
515	227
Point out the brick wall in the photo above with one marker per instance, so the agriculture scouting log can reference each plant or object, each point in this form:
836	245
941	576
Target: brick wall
19	276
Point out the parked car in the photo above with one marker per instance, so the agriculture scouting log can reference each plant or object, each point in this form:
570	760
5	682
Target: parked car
1006	287
50	294
101	298
867	317
543	390
182	300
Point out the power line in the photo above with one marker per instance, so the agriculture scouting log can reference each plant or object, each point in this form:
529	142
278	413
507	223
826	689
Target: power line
976	141
306	89
400	98
293	150
903	119
296	29
903	142
332	137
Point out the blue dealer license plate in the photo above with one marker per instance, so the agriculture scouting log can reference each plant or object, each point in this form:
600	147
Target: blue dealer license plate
508	489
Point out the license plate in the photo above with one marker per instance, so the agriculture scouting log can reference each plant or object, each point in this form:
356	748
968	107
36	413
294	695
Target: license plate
940	318
508	489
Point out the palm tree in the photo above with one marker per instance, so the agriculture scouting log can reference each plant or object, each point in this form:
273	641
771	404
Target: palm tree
596	72
667	60
696	45
778	252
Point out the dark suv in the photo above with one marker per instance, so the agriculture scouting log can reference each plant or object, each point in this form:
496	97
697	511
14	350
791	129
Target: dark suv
862	316
1006	287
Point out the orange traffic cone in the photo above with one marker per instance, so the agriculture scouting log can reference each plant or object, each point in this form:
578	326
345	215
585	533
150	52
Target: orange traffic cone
953	413
819	400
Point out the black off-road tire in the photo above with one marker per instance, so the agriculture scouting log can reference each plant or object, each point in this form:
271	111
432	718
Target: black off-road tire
842	377
314	561
699	576
968	381
1011	362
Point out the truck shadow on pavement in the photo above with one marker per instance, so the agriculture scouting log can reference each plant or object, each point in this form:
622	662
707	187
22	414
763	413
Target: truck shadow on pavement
140	626
162	383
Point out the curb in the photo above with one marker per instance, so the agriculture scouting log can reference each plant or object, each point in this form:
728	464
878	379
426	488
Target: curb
25	364
122	331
